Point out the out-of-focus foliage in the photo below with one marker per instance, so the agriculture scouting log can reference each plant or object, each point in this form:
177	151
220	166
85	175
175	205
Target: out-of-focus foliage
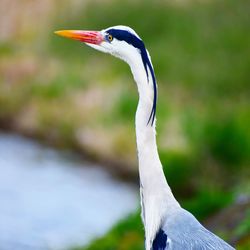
127	235
70	95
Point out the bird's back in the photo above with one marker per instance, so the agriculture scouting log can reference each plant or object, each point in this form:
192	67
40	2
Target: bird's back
183	231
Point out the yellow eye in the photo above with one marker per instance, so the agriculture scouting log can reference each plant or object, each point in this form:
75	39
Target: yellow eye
110	38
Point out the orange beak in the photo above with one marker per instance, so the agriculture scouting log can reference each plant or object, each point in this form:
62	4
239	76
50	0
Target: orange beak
93	37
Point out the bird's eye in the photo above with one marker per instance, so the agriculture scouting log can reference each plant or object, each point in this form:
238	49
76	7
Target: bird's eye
110	38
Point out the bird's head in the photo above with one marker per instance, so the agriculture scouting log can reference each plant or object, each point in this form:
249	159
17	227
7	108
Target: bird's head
120	41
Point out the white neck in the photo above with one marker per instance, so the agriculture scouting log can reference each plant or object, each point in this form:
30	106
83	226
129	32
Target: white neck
156	197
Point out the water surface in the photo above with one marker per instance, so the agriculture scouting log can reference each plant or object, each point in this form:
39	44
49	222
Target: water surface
52	200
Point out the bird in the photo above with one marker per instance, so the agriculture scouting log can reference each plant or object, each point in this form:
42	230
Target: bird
167	225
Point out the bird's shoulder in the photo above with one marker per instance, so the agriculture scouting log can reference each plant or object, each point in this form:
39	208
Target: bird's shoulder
183	231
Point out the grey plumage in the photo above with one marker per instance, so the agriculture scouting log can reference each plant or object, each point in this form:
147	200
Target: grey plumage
184	232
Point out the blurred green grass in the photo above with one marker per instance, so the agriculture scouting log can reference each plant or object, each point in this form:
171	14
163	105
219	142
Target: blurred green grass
201	56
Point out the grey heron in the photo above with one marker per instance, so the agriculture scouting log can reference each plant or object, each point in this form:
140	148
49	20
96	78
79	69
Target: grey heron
167	225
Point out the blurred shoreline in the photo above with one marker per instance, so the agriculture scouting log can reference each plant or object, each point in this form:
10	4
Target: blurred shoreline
118	168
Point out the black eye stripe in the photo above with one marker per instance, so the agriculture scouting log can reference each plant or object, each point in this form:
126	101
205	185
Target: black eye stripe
128	37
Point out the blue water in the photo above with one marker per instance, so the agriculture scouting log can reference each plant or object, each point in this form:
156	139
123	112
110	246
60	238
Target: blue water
52	200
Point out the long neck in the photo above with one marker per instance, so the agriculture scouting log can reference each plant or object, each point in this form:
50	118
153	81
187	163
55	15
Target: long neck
150	167
156	197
